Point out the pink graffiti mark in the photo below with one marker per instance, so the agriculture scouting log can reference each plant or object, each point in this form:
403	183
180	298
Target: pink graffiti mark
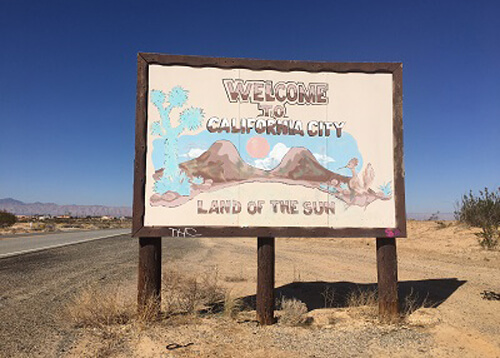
391	233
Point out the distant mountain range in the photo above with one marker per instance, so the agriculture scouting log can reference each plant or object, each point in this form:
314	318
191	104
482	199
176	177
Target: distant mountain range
427	216
19	208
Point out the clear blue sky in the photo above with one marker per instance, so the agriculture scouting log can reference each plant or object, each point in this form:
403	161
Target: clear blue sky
68	79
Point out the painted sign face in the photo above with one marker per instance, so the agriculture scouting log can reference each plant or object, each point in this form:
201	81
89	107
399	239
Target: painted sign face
253	148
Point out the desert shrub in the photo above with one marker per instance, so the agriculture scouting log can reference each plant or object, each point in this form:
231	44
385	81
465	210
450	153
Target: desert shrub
442	224
328	295
211	291
39	226
7	219
357	298
186	294
293	312
434	216
99	307
412	302
365	303
482	211
50	228
149	312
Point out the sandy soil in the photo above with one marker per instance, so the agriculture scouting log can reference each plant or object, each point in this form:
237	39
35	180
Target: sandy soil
439	263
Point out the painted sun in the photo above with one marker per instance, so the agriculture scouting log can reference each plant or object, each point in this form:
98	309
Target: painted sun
258	147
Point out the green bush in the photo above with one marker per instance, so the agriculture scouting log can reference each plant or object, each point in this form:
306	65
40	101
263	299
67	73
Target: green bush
482	211
7	219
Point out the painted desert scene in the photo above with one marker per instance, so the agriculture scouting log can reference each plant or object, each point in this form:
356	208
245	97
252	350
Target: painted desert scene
221	166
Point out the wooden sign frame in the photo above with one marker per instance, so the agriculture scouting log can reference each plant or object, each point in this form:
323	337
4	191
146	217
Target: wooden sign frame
146	59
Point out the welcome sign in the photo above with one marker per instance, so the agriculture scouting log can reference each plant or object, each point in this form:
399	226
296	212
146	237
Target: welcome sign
236	147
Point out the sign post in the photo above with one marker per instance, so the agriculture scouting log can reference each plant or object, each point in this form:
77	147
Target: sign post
387	277
149	275
231	147
265	280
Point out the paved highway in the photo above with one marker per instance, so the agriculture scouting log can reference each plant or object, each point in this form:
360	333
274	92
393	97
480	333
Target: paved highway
17	245
36	287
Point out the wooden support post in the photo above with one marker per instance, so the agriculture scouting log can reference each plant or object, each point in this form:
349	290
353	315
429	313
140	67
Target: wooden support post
149	280
265	280
387	275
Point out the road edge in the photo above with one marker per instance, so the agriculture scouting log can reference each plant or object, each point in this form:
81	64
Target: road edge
17	253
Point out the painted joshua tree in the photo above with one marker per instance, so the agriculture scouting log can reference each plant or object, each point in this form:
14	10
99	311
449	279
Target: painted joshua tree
190	119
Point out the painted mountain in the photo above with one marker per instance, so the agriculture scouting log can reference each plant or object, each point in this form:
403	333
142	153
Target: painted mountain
221	163
222	166
300	164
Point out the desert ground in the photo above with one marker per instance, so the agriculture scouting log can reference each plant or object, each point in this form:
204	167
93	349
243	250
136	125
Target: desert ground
78	301
35	226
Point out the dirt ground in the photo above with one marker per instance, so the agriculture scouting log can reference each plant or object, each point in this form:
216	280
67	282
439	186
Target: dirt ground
441	267
34	226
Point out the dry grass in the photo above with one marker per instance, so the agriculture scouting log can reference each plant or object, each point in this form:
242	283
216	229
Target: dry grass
293	312
362	298
236	278
444	224
97	307
112	319
188	294
328	295
116	325
100	307
412	303
365	302
232	305
149	312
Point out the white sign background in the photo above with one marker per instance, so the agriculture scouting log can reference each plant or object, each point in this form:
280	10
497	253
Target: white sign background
363	101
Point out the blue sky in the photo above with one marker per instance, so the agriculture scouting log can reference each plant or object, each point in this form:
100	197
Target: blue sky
68	77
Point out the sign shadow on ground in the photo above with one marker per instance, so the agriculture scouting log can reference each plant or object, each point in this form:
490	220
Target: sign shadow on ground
428	293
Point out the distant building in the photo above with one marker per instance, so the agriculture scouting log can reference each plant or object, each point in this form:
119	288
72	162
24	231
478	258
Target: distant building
24	216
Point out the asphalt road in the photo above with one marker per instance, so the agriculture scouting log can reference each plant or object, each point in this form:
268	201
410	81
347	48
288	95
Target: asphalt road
22	244
35	288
